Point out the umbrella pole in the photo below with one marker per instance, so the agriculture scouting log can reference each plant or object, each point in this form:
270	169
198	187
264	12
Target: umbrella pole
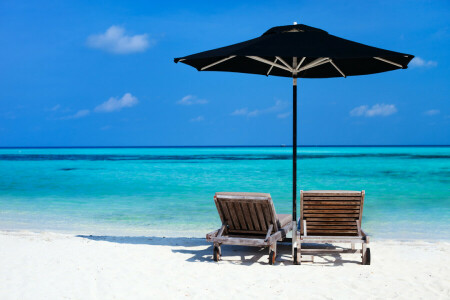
294	167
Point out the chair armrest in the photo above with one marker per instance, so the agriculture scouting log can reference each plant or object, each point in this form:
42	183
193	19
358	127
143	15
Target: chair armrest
365	236
212	234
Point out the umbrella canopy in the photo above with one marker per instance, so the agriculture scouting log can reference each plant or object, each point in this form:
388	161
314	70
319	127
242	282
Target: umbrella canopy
319	55
298	51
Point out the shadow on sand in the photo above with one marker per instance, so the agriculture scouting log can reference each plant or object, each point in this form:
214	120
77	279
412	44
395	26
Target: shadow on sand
200	250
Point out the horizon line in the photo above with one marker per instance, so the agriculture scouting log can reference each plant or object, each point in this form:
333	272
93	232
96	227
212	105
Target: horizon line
214	146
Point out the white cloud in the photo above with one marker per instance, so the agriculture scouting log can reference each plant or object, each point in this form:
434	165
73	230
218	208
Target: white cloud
254	113
114	40
376	110
432	112
422	63
240	112
198	119
359	111
59	108
190	100
278	107
114	104
284	115
79	114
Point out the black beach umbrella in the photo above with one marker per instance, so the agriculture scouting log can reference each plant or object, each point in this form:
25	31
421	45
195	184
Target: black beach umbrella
298	51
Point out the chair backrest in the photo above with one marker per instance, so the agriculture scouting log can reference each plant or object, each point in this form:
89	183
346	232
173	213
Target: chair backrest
246	213
331	213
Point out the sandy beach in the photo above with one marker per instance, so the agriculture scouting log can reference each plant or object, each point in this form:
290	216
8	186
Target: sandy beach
49	265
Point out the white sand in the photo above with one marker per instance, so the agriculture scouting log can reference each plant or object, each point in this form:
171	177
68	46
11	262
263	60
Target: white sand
61	266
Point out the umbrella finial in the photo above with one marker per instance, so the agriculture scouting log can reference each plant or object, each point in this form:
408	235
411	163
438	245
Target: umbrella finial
295	23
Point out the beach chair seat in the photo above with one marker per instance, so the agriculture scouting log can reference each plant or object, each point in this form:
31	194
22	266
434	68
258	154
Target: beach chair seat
248	219
332	217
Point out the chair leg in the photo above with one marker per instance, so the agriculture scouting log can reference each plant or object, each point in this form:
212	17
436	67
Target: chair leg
299	253
217	252
363	251
272	253
273	247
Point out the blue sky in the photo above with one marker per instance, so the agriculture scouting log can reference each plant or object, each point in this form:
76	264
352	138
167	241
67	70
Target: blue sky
101	73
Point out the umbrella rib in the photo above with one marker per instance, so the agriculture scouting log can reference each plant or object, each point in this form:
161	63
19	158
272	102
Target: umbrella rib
336	67
217	62
389	62
284	63
271	67
300	64
315	63
257	58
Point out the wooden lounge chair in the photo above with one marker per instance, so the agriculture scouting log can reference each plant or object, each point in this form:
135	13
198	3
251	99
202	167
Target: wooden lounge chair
332	217
248	219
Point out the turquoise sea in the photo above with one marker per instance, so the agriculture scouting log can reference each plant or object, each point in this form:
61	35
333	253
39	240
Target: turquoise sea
169	191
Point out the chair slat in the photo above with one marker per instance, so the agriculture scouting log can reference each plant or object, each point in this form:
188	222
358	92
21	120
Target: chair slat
225	213
308	215
330	223
240	215
330	218
232	212
332	193
332	230
332	211
325	202
220	209
328	207
320	233
267	215
331	198
262	220
248	218
254	215
322	227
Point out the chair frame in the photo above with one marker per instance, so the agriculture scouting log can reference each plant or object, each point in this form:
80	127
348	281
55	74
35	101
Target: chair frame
225	236
303	236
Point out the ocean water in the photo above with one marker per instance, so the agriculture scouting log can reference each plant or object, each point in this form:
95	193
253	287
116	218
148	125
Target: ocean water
169	191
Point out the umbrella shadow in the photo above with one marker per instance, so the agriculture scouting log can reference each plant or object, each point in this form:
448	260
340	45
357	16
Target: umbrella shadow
329	259
199	250
237	255
149	240
247	256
